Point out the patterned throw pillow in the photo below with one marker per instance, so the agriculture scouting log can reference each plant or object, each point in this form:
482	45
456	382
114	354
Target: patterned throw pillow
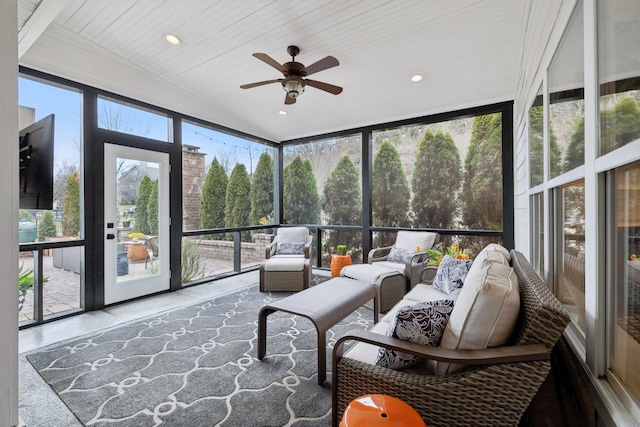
451	274
399	255
422	323
290	248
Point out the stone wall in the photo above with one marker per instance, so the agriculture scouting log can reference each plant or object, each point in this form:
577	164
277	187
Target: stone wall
193	176
222	250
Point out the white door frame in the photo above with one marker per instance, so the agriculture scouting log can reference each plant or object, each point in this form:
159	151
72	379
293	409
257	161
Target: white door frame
116	288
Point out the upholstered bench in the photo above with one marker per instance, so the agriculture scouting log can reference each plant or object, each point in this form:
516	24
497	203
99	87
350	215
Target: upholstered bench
390	283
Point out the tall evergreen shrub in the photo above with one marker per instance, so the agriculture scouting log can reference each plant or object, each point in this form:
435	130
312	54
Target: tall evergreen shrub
214	194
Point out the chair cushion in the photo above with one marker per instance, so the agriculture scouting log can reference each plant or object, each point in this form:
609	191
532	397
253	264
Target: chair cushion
451	274
411	240
290	248
422	323
366	272
485	313
292	234
391	265
400	255
284	264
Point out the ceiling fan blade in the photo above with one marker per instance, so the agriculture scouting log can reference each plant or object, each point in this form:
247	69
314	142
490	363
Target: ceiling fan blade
325	86
322	65
266	82
269	60
289	100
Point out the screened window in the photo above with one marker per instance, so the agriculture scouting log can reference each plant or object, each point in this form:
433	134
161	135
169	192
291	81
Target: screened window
126	118
626	278
536	141
570	278
566	99
619	74
62	267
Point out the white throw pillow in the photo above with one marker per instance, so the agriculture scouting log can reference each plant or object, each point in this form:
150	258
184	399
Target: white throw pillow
422	323
485	313
401	256
290	248
451	274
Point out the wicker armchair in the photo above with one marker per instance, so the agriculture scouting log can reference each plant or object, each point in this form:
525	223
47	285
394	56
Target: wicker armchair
287	272
495	389
410	240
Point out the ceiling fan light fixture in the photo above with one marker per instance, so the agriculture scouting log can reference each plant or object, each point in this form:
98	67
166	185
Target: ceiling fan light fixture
282	113
294	87
416	78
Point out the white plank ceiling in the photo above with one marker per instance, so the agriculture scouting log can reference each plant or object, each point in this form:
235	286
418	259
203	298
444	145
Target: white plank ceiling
468	51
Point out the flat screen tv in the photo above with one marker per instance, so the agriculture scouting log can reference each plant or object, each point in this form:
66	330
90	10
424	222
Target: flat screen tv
36	165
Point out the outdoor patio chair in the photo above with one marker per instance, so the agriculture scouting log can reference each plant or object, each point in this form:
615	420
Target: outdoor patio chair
406	255
287	263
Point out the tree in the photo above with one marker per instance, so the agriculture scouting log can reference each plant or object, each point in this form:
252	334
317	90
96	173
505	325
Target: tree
575	149
71	206
262	189
142	221
342	202
238	205
390	194
300	193
214	194
481	198
152	209
620	125
536	146
60	180
46	226
436	180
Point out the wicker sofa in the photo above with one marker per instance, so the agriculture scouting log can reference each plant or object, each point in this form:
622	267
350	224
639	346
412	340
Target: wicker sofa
495	388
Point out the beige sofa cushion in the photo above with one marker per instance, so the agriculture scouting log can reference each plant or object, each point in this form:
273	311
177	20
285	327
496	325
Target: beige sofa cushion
486	310
410	240
293	234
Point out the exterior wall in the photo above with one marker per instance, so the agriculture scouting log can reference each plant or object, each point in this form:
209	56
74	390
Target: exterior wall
9	214
193	176
222	250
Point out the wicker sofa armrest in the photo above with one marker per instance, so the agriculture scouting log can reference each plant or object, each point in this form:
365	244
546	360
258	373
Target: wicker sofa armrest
378	254
489	356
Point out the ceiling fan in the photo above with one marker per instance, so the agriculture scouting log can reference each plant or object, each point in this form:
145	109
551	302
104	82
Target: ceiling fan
294	80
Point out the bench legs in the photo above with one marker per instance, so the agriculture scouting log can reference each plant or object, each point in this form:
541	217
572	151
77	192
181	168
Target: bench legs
322	341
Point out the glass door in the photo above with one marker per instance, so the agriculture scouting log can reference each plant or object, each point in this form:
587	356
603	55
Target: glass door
136	228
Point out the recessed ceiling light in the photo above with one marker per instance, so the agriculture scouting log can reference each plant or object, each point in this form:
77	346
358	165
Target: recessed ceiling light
417	78
173	39
282	113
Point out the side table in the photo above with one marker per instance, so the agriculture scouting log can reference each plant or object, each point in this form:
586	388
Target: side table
337	262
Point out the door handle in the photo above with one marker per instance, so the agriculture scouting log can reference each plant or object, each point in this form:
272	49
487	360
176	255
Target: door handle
111	236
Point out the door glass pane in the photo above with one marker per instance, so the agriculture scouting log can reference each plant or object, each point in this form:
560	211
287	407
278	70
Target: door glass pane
137	212
626	333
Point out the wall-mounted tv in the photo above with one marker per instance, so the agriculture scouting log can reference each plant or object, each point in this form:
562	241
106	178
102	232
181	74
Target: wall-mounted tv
36	164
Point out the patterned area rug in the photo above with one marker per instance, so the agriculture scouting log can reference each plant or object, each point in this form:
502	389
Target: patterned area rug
197	366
